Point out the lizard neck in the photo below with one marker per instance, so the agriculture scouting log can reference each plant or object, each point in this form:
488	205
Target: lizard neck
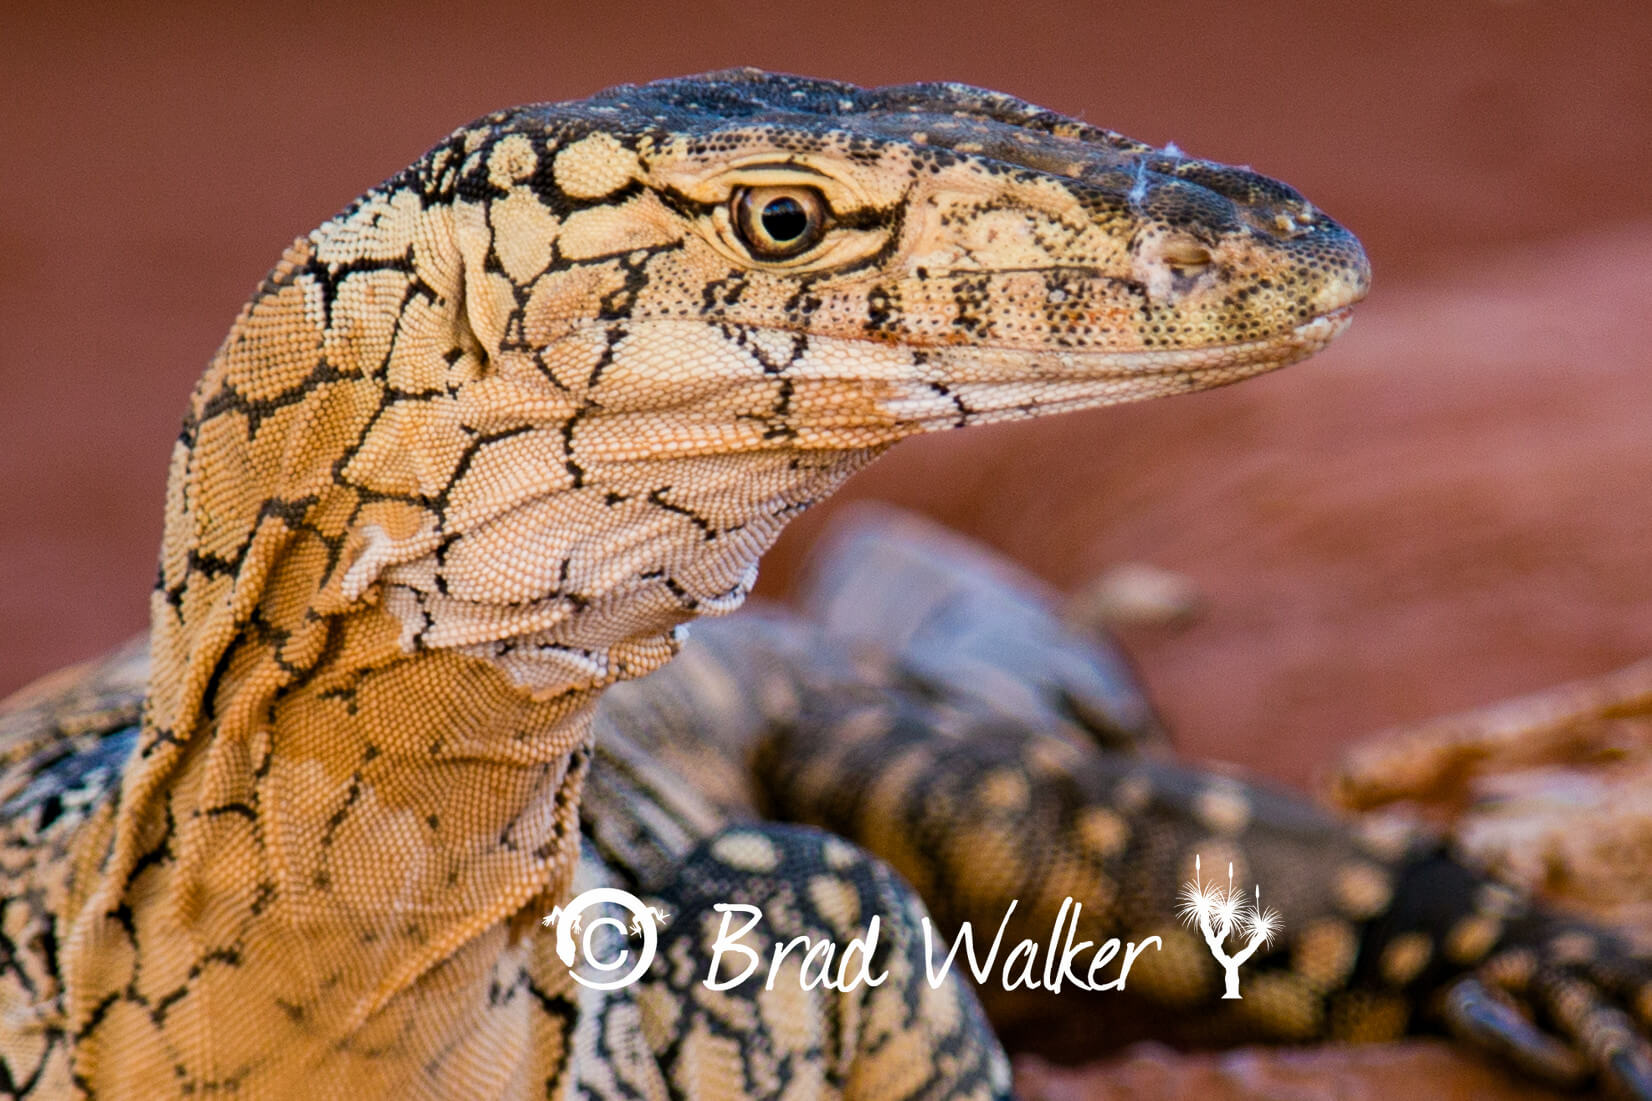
354	860
441	485
408	800
400	566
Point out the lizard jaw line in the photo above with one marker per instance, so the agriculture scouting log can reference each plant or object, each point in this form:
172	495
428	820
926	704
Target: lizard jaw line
1135	376
1241	359
1253	356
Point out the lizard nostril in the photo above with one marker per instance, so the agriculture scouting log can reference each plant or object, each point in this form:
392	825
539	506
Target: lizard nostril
1168	265
1186	254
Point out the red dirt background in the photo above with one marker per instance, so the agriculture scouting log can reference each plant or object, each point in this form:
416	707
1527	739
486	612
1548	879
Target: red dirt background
1446	508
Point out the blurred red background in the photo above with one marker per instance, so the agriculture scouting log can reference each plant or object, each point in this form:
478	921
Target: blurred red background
1447	507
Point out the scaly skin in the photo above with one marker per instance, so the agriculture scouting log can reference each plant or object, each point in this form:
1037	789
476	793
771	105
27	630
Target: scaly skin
936	710
470	455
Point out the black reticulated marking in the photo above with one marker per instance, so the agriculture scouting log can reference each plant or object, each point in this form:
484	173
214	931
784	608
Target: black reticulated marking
157	737
683	205
228	400
344	693
93	1020
720	294
675	588
477	442
871	217
13	1086
575	471
158	1008
213	565
475	180
122	915
290	512
772	365
543	184
964	411
416	288
970	297
435	178
262	897
440	175
804	301
617	304
336	819
883	310
329	276
610	345
657	498
153	857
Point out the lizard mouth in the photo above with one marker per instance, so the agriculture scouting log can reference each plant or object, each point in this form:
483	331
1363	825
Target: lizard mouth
1201	366
1299	343
1325	328
1073	380
1242	358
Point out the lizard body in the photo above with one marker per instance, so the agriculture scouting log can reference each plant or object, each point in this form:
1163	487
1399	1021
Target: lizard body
471	455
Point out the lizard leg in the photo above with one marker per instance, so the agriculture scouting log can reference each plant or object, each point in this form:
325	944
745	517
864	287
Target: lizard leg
979	802
1378	925
774	981
978	812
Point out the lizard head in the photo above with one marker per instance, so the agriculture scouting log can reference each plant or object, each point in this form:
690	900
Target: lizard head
554	389
850	266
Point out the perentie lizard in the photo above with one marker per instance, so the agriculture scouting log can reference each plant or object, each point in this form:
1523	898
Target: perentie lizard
474	451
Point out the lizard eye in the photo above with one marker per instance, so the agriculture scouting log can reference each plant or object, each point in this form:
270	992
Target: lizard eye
777	223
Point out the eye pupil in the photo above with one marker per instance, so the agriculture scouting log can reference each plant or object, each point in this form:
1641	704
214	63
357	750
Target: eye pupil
778	223
784	219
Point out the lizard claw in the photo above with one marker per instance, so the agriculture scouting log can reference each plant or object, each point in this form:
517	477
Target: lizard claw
1503	1006
1629	1073
1556	997
1605	1034
1488	1019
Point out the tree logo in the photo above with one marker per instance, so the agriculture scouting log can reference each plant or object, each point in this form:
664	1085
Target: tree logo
1219	912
